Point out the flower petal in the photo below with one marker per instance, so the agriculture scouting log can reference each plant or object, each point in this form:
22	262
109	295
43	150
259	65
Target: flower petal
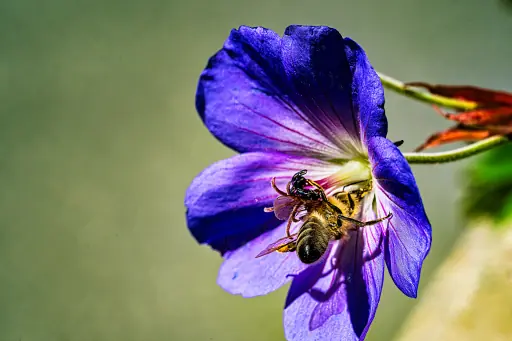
367	93
244	274
291	94
409	234
458	133
319	74
243	98
337	299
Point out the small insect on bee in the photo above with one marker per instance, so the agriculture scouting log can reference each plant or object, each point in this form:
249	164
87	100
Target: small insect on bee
297	187
324	219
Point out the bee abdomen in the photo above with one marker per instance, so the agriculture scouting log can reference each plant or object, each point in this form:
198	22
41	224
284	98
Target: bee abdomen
312	241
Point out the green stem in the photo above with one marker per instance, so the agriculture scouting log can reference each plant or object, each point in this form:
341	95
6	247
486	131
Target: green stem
401	88
456	154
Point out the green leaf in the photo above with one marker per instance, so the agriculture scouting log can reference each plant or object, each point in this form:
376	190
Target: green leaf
489	191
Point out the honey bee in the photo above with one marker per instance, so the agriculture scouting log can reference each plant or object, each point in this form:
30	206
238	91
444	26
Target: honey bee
324	218
297	198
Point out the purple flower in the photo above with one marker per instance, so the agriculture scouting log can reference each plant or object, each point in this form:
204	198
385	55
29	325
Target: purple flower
307	100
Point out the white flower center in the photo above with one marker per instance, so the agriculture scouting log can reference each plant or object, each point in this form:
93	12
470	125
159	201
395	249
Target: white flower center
347	176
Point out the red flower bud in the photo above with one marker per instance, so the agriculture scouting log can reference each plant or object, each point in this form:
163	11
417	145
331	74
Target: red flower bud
493	115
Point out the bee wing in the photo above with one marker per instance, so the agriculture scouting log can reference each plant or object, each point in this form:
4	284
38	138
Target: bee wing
284	244
283	206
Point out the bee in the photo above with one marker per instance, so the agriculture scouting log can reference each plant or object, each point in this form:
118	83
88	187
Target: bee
296	198
324	218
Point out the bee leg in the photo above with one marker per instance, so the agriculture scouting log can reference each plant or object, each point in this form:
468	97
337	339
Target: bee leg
288	188
288	234
294	214
273	183
359	223
347	199
292	218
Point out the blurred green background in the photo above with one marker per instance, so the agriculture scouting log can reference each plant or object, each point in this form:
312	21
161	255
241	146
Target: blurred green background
99	139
